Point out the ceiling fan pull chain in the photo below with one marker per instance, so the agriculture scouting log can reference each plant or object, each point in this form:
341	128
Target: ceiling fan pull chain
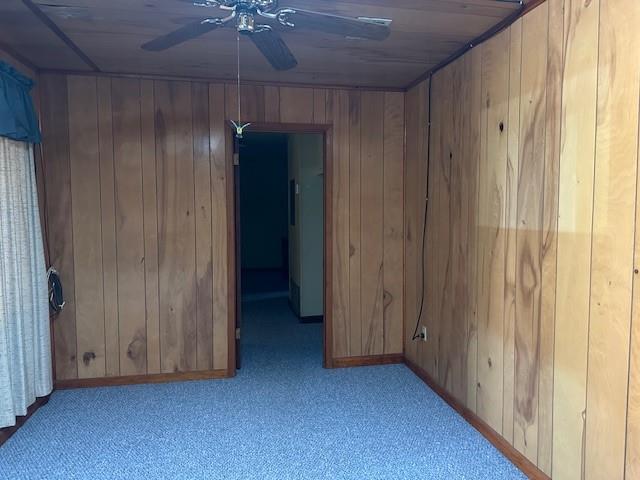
239	125
238	89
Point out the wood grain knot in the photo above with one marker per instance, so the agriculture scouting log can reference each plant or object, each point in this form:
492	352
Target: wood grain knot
501	126
490	362
87	357
137	349
387	299
352	250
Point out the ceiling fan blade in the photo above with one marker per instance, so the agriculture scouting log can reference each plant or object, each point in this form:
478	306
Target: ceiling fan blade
274	49
188	32
338	25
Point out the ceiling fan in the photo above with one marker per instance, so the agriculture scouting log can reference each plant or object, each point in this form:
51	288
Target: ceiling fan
244	15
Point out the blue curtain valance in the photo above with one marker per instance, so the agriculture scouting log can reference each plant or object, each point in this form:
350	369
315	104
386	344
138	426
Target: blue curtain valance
18	120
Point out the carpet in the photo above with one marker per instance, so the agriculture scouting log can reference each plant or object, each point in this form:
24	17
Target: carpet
282	417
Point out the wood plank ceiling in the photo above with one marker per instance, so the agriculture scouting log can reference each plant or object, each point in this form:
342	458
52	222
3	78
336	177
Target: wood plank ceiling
109	33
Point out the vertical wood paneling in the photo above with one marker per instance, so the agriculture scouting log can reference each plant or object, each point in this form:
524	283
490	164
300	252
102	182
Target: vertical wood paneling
319	106
473	166
129	226
444	169
84	161
550	187
296	105
355	225
55	119
220	225
511	228
156	176
252	103
434	232
176	226
423	189
108	227
574	236
271	104
202	212
569	80
529	236
491	228
372	124
632	460
338	112
451	368
423	179
412	282
613	237
150	194
452	332
393	152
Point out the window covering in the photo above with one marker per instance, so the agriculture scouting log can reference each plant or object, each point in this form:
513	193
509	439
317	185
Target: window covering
18	119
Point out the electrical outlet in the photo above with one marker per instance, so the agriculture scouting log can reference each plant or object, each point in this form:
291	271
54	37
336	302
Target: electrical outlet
423	334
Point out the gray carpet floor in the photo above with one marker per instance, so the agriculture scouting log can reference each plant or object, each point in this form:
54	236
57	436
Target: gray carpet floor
282	417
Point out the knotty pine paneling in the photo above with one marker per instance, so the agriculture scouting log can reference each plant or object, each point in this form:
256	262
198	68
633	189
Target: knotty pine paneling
614	205
393	212
529	249
130	262
136	173
355	223
55	146
491	228
549	136
372	211
577	162
84	157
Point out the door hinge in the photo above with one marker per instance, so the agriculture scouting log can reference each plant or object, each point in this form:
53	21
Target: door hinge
236	159
237	334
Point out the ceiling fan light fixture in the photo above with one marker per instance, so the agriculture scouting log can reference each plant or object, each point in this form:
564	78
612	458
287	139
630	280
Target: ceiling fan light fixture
266	38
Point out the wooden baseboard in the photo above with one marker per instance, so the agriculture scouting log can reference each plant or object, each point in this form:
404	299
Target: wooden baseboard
517	458
141	379
5	433
366	361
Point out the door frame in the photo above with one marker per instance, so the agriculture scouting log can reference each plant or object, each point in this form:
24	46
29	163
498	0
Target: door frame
326	130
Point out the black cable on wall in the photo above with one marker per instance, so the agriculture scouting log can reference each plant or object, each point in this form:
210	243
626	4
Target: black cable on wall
417	336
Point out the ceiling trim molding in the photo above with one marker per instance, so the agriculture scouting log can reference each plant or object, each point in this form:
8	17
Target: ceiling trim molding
17	57
60	34
492	32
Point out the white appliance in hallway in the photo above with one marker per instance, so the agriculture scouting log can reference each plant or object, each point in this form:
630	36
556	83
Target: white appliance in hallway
306	223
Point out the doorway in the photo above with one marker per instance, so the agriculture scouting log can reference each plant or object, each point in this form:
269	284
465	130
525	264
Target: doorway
280	245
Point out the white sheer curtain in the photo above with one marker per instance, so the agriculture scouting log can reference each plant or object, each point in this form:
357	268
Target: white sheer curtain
25	345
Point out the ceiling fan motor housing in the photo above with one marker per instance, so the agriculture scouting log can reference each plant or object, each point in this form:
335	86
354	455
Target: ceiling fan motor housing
246	23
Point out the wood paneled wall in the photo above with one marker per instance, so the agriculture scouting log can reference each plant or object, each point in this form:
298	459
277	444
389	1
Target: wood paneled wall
531	288
138	217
